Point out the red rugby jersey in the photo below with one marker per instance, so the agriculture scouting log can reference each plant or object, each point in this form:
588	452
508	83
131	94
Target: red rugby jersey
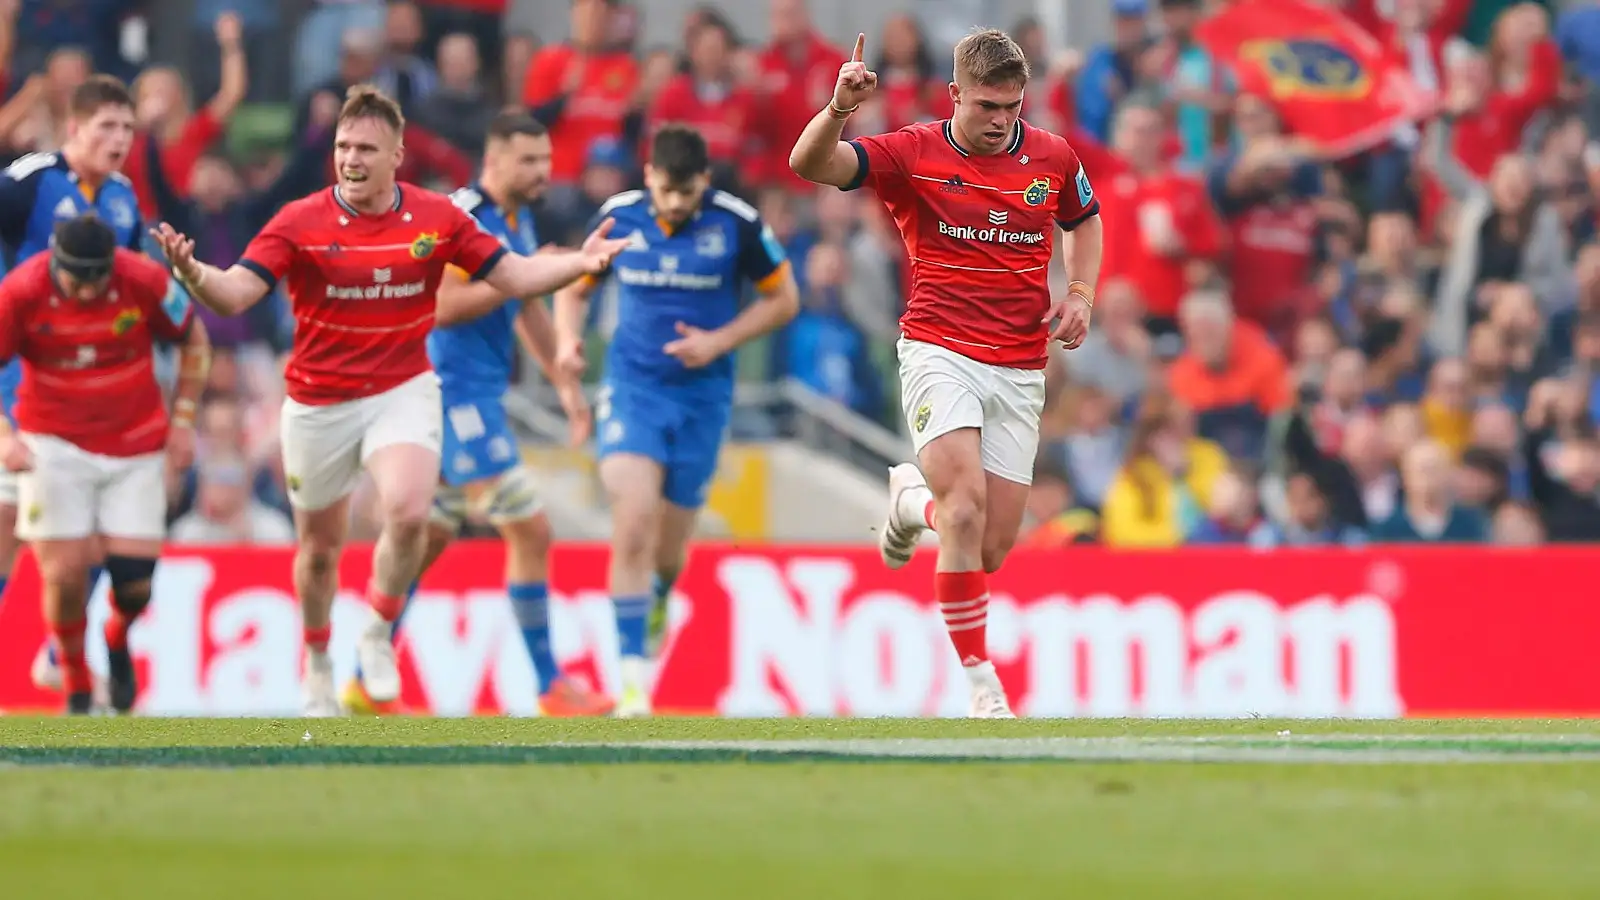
979	232
363	288
88	374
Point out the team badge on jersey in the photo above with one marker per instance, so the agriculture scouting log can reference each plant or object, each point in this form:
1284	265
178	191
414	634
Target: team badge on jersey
924	413
1037	193
424	245
125	321
1085	191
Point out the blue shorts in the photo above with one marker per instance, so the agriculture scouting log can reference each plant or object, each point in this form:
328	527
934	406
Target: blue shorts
478	442
682	432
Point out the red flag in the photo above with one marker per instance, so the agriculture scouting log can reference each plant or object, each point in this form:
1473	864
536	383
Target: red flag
1331	82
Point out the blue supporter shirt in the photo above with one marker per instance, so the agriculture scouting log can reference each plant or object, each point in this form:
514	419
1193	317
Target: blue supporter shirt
37	191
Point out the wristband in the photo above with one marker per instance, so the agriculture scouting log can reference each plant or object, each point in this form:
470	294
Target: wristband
841	114
183	410
1084	290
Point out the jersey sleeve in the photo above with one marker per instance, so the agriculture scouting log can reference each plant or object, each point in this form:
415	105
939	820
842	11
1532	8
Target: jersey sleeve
19	189
271	252
167	306
1077	201
762	260
885	158
472	248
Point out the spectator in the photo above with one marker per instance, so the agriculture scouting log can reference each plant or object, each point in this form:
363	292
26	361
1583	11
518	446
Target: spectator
1054	518
1482	480
1167	236
1116	356
582	90
1564	482
226	513
1197	85
1110	71
1093	448
710	98
798	70
1229	374
821	348
1234	512
163	112
1309	522
35	117
1447	417
1165	482
910	88
323	41
459	110
1497	433
1370	458
1517	525
1429	513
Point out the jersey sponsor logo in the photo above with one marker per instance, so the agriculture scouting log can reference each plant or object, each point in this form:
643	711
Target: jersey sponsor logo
382	276
998	216
1085	191
1037	192
424	245
377	291
125	321
989	235
667	276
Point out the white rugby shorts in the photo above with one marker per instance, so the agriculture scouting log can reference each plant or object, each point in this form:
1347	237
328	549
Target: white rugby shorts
325	447
71	493
941	391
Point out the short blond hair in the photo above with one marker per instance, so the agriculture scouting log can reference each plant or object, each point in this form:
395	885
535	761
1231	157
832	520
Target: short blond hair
991	58
364	101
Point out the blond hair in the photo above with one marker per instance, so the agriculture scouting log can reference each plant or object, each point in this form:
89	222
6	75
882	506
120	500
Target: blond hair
991	58
364	101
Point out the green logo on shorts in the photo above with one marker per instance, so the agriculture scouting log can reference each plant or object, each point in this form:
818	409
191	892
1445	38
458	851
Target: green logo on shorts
924	413
293	482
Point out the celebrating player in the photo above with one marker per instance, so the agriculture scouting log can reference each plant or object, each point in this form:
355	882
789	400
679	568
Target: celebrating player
668	388
362	261
475	359
977	198
40	190
91	428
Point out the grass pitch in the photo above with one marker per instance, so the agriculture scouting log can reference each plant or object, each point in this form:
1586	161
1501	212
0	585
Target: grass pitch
698	808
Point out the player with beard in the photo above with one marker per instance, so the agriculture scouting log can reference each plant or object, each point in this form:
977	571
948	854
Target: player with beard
363	261
978	199
476	360
37	192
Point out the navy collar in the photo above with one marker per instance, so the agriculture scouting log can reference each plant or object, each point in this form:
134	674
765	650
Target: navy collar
338	197
1011	148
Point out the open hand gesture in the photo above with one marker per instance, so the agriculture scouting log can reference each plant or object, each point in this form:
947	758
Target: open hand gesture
856	82
179	251
598	250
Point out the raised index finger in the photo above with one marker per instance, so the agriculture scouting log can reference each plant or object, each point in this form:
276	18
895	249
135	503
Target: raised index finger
861	46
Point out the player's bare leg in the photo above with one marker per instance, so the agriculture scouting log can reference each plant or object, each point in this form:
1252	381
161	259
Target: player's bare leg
405	477
528	542
131	563
354	697
321	535
633	488
954	501
672	554
63	569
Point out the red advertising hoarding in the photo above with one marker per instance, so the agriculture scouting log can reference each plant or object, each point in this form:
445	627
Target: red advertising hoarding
771	631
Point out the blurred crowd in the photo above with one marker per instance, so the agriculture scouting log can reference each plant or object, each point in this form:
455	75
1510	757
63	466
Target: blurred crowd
1288	349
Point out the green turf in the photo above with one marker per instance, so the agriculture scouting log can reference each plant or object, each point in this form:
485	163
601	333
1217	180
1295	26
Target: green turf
802	830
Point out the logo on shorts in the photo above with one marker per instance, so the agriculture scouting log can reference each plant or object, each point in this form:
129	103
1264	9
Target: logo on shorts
1037	192
125	321
293	482
35	513
424	245
924	413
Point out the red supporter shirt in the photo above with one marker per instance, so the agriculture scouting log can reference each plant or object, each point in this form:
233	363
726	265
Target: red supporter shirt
594	110
979	233
363	288
724	121
88	374
793	89
1141	205
177	159
1274	246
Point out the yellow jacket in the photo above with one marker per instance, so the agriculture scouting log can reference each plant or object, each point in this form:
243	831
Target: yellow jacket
1175	508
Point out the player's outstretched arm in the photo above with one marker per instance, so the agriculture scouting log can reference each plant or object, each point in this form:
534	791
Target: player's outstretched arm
571	312
225	292
462	300
545	273
820	156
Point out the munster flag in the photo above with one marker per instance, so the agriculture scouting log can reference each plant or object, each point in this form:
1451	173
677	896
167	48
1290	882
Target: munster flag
1331	81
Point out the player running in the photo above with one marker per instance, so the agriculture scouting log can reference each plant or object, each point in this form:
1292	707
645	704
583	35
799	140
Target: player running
668	388
977	198
39	191
362	261
93	442
475	360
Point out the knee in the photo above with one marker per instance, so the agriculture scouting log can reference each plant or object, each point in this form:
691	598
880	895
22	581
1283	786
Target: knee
530	536
995	554
960	516
317	557
407	514
633	539
131	579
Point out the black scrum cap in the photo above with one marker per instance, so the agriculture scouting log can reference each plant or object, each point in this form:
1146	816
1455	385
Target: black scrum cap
84	247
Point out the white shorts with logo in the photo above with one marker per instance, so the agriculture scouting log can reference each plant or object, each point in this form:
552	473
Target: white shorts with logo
71	493
326	447
941	391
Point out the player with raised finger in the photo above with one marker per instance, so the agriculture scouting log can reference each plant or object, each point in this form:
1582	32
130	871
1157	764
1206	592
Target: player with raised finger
978	199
